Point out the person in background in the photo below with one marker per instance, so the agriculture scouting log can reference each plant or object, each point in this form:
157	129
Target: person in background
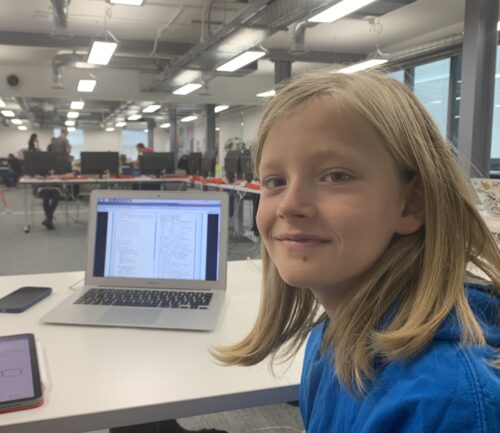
52	194
49	146
143	149
369	231
61	143
33	143
16	169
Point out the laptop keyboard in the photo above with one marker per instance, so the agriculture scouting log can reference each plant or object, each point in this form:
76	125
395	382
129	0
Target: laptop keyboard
146	298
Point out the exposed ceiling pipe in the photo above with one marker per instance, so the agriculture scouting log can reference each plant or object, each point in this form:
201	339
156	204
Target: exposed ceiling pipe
80	61
60	14
299	36
160	32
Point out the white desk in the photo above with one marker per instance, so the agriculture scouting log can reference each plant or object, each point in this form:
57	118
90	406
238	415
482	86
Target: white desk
106	377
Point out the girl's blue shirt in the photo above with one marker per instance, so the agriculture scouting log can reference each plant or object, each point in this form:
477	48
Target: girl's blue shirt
446	388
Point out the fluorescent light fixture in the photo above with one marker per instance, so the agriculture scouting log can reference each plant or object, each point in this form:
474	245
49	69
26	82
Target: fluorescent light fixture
16	121
71	129
339	10
101	52
86	85
187	88
151	108
367	64
70	123
109	129
134	117
498	26
266	94
189	118
120	124
220	108
165	125
127	2
77	105
22	128
2	104
240	61
73	114
8	113
146	131
217	128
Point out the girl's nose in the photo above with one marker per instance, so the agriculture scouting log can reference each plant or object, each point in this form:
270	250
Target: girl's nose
297	201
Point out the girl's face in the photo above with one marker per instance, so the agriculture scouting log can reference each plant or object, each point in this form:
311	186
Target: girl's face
331	199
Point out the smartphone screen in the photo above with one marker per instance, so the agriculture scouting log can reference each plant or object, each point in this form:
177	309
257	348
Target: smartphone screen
23	298
20	386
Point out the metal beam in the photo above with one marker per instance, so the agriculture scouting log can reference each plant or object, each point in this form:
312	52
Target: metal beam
478	83
209	111
126	46
277	54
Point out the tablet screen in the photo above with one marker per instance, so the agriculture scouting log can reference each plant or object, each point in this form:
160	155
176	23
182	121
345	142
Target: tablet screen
16	368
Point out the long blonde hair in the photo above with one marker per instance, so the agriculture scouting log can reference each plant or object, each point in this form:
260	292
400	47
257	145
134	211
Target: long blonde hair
418	280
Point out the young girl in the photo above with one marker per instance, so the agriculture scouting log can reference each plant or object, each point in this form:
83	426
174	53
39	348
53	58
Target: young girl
367	227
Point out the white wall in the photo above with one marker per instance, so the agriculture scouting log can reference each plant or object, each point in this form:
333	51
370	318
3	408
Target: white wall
12	140
97	140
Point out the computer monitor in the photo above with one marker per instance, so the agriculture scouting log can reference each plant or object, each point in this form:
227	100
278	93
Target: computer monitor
45	163
194	163
208	164
232	165
4	163
99	163
157	163
246	165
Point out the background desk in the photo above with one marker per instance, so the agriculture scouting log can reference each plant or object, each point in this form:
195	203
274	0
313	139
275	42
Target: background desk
101	377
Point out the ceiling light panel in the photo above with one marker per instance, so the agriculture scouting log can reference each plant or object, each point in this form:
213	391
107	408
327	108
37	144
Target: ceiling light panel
187	89
2	104
101	52
266	94
240	61
8	113
86	85
151	108
17	121
189	118
77	105
120	124
367	64
220	108
339	10
73	115
22	128
165	125
69	123
134	117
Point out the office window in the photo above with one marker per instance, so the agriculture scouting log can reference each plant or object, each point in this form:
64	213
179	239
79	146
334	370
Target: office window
431	87
76	140
130	140
495	137
398	75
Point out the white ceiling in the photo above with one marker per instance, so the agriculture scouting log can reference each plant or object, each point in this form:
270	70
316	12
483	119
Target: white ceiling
409	26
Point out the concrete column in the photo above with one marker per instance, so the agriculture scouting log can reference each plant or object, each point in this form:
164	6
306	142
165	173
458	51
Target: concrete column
151	131
478	83
209	109
282	70
172	118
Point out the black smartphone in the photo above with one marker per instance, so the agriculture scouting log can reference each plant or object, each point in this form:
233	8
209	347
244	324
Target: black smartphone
20	382
23	298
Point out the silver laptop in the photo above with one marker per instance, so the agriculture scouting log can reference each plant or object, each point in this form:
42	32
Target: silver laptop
155	260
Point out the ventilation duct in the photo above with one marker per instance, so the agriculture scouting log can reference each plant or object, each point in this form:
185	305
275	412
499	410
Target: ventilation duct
299	36
249	28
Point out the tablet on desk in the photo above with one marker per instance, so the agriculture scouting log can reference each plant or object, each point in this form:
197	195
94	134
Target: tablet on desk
20	383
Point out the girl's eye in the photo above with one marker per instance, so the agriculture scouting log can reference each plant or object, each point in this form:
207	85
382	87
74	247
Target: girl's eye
273	182
337	177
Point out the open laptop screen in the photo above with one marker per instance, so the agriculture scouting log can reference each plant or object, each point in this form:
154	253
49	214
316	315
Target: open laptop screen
176	239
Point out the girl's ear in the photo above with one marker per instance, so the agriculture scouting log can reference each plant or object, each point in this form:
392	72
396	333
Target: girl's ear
413	213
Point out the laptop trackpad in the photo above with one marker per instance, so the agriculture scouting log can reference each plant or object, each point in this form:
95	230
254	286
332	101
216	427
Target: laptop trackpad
130	316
